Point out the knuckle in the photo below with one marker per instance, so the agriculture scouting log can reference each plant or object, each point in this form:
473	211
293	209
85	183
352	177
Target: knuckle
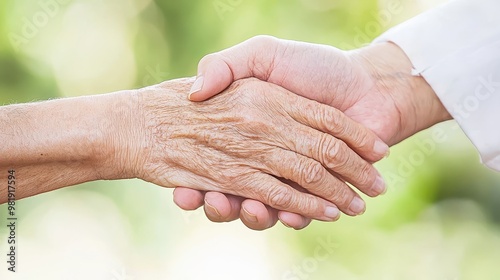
344	163
313	172
262	40
332	123
366	177
360	137
263	55
335	155
280	198
310	206
363	140
207	58
341	196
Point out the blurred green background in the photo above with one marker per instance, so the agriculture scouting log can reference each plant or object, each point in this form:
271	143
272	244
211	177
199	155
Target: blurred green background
439	219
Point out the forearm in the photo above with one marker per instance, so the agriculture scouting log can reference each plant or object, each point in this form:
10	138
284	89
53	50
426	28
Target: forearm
62	142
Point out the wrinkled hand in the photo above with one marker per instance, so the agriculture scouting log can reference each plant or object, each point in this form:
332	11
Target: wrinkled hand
373	86
241	141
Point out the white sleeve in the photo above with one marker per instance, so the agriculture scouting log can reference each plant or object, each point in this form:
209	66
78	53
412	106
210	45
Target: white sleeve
456	48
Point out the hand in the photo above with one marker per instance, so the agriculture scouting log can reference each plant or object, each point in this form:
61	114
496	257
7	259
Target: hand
372	85
243	140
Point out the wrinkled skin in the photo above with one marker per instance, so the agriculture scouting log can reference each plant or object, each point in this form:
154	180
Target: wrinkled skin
242	140
372	85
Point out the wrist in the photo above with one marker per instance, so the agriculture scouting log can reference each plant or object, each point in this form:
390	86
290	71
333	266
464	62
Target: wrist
415	100
121	123
156	109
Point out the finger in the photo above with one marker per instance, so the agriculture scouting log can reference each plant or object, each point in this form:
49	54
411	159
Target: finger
188	199
328	150
252	58
312	176
289	219
293	220
336	156
257	216
280	196
221	207
225	208
253	214
332	121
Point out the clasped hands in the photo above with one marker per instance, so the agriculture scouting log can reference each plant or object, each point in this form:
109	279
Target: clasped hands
284	144
260	141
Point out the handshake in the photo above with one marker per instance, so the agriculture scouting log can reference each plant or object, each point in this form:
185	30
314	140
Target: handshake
284	126
366	100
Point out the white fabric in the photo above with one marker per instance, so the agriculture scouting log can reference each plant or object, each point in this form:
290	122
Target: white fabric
456	48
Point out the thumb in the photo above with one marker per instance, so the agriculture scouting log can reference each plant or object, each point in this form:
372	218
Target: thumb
214	75
252	58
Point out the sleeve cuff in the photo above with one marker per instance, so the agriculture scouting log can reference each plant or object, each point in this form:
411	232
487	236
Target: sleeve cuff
456	49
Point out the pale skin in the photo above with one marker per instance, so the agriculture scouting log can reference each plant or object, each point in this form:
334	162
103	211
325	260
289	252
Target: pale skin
372	85
256	140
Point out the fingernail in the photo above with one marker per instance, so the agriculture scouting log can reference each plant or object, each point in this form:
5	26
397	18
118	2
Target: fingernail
251	217
332	212
197	85
379	186
212	209
357	206
381	148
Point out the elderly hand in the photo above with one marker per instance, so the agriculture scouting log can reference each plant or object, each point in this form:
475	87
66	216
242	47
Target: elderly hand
243	140
373	85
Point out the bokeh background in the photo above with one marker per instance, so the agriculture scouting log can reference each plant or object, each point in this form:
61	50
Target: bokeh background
439	219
